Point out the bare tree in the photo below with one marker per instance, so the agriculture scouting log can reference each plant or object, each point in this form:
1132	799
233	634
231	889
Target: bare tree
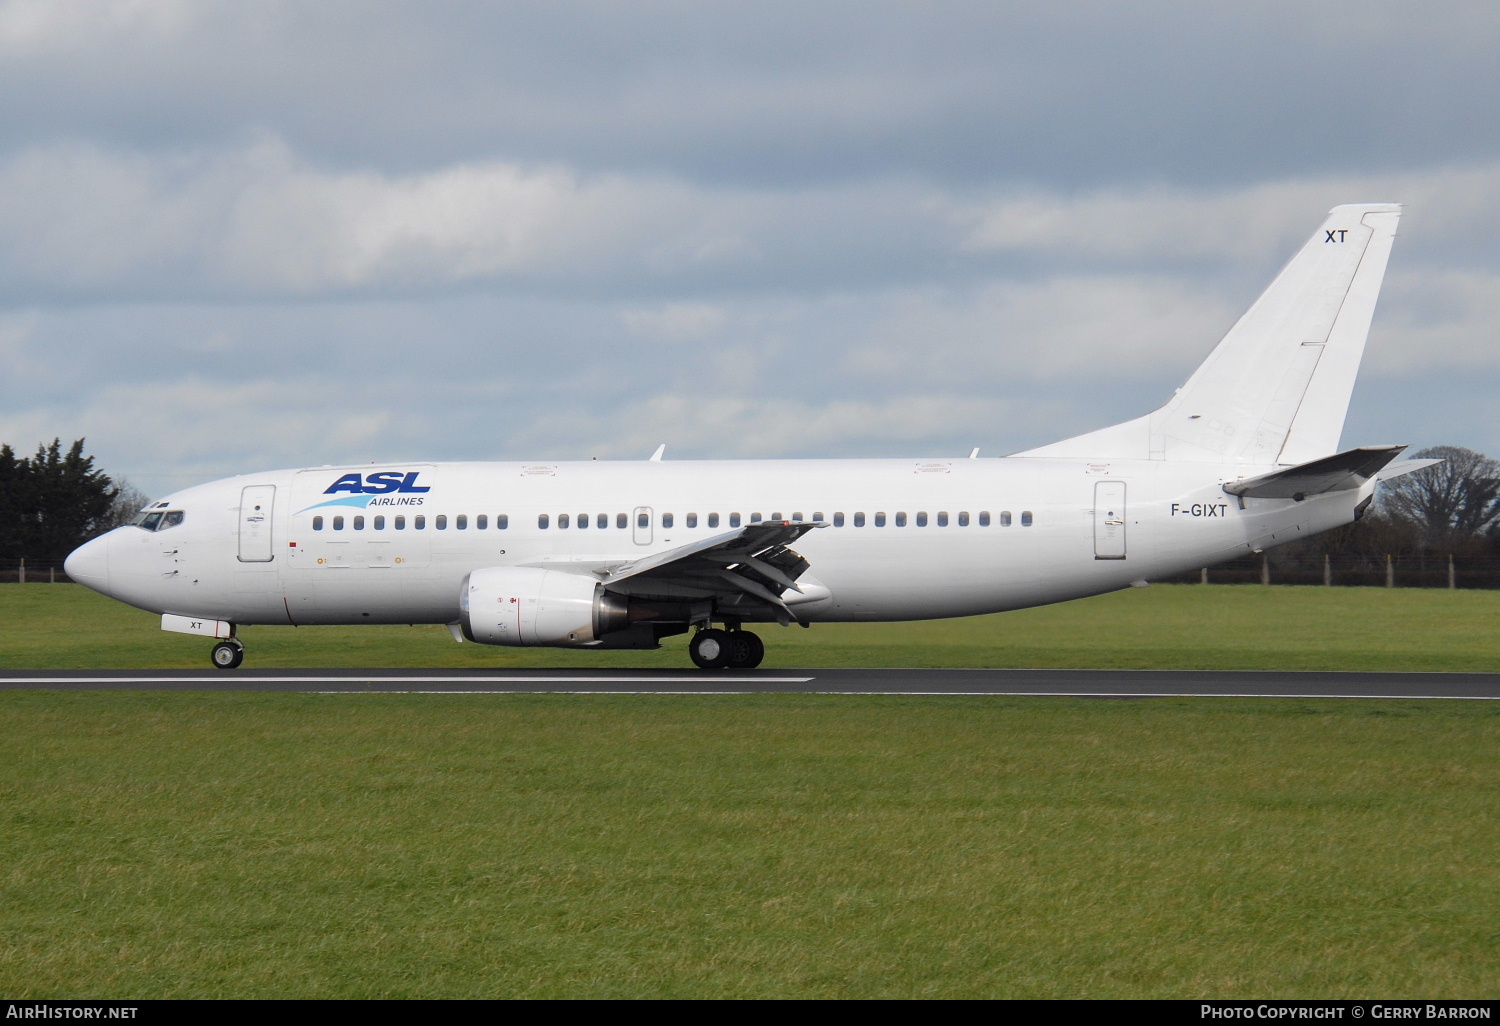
1451	504
130	501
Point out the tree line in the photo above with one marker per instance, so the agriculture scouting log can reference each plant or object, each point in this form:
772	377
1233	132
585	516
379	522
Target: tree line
55	500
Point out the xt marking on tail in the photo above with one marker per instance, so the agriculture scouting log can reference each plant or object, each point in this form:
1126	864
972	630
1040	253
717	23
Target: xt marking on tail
1331	232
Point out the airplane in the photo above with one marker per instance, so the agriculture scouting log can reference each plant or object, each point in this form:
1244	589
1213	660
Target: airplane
621	554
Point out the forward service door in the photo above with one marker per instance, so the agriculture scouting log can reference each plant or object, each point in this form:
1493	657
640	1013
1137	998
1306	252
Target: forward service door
256	505
1109	520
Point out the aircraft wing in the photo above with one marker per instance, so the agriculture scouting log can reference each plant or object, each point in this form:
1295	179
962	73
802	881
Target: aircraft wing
1346	470
752	564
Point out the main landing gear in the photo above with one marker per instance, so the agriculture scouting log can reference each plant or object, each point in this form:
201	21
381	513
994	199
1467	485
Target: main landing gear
228	654
713	649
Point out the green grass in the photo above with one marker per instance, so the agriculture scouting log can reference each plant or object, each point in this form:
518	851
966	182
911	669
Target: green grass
1161	627
214	845
241	844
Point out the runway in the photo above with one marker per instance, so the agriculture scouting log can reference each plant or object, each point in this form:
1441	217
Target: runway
1032	683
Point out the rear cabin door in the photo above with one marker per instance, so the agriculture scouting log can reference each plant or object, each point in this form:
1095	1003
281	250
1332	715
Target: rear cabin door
256	505
1109	520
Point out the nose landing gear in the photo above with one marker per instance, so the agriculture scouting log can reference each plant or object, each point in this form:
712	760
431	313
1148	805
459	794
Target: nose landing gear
228	654
713	649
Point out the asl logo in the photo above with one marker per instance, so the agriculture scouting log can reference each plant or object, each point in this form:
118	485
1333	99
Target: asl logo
382	483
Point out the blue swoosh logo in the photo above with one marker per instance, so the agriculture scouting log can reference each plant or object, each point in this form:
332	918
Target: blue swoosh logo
360	501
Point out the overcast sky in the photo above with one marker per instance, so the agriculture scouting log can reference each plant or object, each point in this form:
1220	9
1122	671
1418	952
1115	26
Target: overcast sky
241	236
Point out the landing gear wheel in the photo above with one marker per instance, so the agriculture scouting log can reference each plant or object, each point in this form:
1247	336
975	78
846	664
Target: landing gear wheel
710	649
745	650
228	654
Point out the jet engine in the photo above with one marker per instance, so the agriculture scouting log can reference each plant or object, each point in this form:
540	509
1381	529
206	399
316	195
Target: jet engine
517	605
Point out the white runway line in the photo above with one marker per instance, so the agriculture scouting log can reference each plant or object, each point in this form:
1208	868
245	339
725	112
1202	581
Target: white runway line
400	680
942	694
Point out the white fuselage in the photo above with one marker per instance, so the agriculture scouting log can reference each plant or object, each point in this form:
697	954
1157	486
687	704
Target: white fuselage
907	539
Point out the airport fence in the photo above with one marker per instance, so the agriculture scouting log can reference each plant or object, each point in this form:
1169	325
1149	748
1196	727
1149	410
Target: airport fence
1350	571
32	571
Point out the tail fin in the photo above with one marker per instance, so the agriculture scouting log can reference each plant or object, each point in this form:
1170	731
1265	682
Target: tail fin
1276	389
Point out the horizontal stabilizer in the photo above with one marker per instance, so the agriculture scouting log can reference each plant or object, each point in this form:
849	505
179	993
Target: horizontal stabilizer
1343	472
1403	468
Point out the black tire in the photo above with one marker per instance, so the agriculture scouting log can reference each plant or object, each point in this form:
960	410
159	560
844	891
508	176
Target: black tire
227	655
757	650
710	649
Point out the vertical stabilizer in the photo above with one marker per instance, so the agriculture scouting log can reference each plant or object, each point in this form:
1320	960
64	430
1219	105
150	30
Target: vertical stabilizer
1276	389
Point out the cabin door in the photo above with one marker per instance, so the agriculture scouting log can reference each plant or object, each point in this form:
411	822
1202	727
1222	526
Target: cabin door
1109	520
641	524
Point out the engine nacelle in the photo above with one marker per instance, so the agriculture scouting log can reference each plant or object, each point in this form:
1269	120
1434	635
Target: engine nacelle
518	605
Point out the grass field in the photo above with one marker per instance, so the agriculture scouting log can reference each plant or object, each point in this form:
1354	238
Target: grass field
1161	627
176	845
284	845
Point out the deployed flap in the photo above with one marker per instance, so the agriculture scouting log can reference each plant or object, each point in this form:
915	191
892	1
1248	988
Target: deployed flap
1343	472
752	560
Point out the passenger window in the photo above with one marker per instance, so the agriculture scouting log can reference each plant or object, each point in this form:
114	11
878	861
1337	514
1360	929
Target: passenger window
859	520
879	519
502	522
666	520
359	523
963	519
713	520
777	516
419	523
798	517
756	518
1025	518
734	520
543	522
338	523
583	521
1004	517
461	522
601	521
922	519
643	520
562	521
380	523
481	522
621	521
692	520
317	523
838	520
817	518
442	522
942	518
900	519
400	523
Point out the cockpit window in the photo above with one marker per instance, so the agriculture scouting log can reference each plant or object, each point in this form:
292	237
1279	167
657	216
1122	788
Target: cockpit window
157	520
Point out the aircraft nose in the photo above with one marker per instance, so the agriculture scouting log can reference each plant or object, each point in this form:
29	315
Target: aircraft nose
89	564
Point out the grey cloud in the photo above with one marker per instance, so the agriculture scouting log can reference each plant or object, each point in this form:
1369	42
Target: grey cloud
781	93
